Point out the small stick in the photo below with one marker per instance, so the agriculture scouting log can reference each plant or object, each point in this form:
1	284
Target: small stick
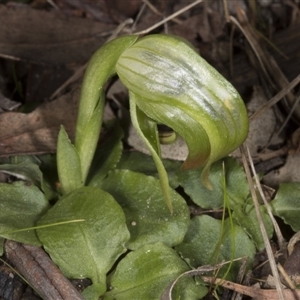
169	18
39	270
156	11
276	98
78	74
245	153
255	293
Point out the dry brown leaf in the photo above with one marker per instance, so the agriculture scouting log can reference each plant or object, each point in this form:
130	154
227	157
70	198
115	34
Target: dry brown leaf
261	129
290	172
120	9
36	132
7	104
254	293
49	37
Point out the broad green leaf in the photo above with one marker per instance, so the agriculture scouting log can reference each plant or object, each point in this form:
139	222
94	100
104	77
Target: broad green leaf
139	162
236	185
247	219
85	249
174	86
41	171
25	170
147	215
22	204
68	163
145	274
207	243
100	68
286	204
107	154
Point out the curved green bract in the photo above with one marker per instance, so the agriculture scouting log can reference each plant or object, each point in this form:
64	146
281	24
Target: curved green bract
173	85
101	66
168	83
147	130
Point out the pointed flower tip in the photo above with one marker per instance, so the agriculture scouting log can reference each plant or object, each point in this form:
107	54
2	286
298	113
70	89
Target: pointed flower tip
205	178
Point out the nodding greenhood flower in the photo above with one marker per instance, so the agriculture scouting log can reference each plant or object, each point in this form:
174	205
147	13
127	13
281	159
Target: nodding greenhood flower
168	83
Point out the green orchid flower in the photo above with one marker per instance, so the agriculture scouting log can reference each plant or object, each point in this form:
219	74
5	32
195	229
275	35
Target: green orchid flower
168	83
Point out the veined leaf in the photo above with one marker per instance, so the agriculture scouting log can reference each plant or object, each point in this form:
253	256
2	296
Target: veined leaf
286	204
22	204
207	243
147	217
86	249
237	188
148	271
139	162
246	217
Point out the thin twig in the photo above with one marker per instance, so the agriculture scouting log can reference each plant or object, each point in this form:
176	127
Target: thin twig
141	11
276	98
245	153
254	293
53	4
286	277
247	32
281	240
167	294
79	72
179	12
156	11
226	11
289	116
